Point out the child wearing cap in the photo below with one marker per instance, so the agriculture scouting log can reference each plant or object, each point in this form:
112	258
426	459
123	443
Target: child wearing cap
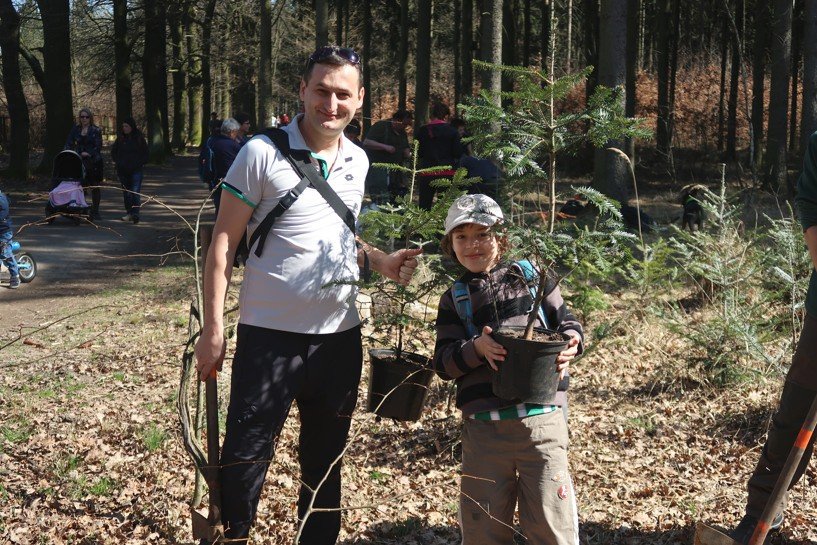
6	253
511	451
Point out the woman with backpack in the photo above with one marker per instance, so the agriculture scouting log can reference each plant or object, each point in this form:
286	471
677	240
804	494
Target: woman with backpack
129	153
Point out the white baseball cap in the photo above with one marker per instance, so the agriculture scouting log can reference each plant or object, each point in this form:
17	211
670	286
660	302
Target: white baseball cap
479	209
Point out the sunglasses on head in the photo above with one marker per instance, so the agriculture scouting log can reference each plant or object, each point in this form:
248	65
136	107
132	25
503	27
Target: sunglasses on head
323	53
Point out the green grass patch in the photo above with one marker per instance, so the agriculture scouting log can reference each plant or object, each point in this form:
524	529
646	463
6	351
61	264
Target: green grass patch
153	437
103	487
377	476
66	464
13	435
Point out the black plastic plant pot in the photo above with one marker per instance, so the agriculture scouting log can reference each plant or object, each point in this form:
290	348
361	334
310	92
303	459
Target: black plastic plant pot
528	373
398	386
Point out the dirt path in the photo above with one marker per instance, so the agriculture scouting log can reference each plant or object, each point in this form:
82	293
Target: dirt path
76	260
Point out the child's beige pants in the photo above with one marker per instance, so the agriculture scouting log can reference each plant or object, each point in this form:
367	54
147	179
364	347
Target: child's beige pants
522	460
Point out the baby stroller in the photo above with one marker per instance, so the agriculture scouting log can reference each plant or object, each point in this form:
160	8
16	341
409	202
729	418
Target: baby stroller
67	196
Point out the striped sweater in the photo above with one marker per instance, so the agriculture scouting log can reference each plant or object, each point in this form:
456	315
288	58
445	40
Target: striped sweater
455	357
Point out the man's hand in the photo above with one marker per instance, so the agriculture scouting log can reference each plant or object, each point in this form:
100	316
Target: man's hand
398	266
486	347
210	350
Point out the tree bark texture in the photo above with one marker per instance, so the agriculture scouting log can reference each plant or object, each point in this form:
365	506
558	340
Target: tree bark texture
153	66
264	92
547	19
59	106
610	171
321	23
630	101
192	35
467	45
808	119
206	64
775	165
663	135
423	78
591	43
736	40
13	87
122	66
179	139
403	53
491	46
761	47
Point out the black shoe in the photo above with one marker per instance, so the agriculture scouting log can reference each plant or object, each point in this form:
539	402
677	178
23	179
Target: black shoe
95	215
134	219
14	282
743	533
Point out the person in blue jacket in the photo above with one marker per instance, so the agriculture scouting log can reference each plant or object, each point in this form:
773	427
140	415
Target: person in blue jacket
5	243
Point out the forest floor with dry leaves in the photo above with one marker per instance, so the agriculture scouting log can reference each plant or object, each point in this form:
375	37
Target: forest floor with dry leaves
90	447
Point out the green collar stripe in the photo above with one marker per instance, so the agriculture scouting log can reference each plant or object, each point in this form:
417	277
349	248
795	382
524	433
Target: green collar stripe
323	164
238	194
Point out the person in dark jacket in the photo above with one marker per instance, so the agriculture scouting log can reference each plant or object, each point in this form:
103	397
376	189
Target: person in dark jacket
6	232
129	153
85	138
225	147
800	387
513	450
439	147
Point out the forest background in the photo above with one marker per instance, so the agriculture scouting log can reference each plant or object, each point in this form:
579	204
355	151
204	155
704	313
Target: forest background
690	336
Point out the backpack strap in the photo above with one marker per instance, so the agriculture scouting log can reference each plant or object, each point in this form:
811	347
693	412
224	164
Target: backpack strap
309	176
462	300
301	162
531	275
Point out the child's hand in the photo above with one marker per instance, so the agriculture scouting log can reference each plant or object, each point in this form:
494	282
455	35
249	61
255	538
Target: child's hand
488	348
566	355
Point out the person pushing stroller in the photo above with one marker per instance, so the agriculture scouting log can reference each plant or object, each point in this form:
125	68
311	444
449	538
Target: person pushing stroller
85	138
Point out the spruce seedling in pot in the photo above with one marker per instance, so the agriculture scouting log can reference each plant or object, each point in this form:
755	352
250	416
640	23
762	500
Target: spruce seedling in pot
525	136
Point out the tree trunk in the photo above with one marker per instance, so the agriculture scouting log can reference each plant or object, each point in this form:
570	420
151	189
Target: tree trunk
340	7
591	43
467	47
808	119
734	81
122	66
13	87
611	175
57	66
179	140
402	61
547	19
457	46
321	23
265	64
367	53
664	46
761	46
194	90
633	30
423	62
153	66
796	55
491	46
508	46
725	39
527	25
206	76
775	165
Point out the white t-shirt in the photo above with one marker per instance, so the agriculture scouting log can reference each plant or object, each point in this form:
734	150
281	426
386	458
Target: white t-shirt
308	247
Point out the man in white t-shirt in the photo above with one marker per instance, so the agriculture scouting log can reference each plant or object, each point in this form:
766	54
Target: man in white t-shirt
299	333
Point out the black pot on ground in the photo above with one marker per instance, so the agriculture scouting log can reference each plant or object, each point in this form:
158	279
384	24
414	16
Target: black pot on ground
529	371
398	386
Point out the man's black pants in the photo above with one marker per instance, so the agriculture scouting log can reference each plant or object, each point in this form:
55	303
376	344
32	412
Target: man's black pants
271	369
